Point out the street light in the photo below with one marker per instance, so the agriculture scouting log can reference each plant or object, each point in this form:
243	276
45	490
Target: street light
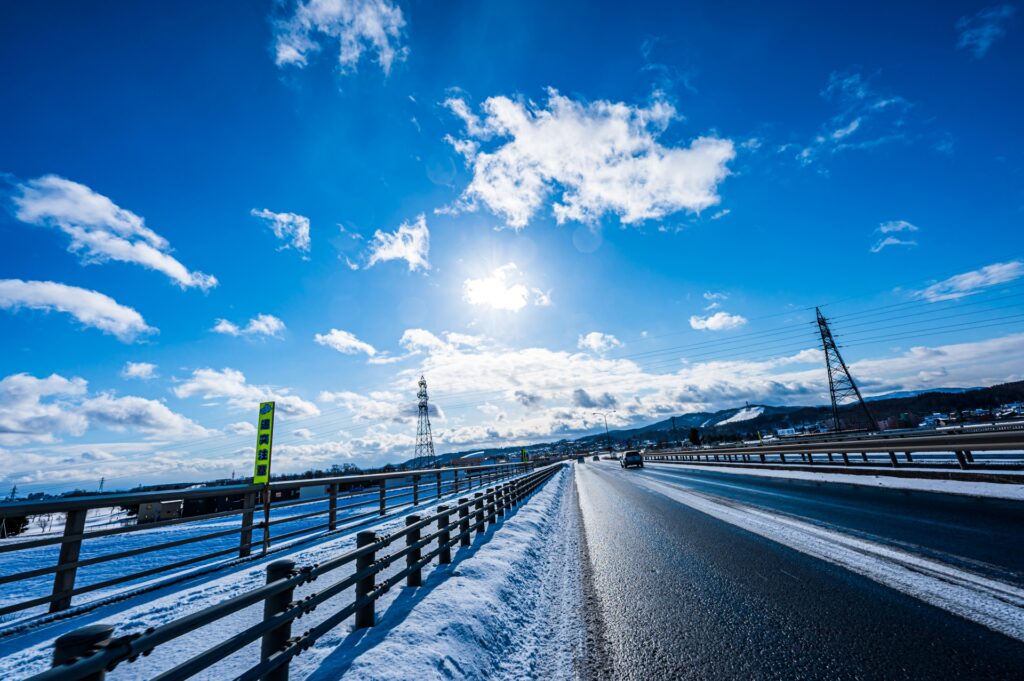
607	437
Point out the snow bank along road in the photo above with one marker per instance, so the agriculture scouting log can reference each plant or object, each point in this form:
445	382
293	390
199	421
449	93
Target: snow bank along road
705	575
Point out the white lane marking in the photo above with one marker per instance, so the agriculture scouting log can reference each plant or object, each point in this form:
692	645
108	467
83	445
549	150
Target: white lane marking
989	602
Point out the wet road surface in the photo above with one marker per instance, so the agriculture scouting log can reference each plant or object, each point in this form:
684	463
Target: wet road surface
678	593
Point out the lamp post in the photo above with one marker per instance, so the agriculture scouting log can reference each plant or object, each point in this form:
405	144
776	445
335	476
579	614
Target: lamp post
607	437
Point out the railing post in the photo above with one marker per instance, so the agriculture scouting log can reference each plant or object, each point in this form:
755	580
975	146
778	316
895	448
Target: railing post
455	481
383	498
412	556
81	643
365	585
830	459
275	640
439	484
464	538
909	458
332	506
810	457
968	456
864	456
444	556
961	459
245	537
415	490
761	454
64	579
846	459
478	506
492	515
499	499
782	457
892	459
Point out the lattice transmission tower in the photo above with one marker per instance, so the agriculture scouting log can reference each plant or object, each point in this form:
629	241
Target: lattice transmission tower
424	438
841	385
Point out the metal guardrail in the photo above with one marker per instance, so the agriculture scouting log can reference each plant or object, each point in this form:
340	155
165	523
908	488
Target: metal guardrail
89	652
959	446
374	495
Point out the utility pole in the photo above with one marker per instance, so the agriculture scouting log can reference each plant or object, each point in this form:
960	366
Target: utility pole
841	385
102	480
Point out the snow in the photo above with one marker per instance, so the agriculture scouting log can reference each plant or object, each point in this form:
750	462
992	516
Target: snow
990	490
992	603
503	574
744	414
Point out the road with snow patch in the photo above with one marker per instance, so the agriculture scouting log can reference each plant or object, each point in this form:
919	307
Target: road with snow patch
703	575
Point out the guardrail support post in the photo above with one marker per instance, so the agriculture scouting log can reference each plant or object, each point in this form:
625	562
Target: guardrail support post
414	578
383	498
64	579
961	459
864	456
969	456
455	481
332	506
846	459
415	490
245	537
491	510
82	643
909	458
464	538
892	459
830	459
810	457
762	457
364	615
439	484
276	639
444	556
478	506
782	457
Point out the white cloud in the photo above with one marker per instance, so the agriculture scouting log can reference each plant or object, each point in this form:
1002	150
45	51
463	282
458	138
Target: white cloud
977	33
39	410
344	342
241	428
141	370
595	341
969	283
260	325
291	228
359	26
499	292
891	241
599	157
410	242
231	385
99	229
303	433
719	321
91	308
894	226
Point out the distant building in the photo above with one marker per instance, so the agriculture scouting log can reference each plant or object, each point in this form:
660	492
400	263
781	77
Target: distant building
153	511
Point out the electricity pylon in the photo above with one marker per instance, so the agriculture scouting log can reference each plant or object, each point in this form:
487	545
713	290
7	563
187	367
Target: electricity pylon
424	438
840	383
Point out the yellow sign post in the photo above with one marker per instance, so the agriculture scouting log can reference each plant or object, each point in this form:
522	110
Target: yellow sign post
264	444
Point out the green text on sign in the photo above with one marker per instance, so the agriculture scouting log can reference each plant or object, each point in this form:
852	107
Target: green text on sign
264	443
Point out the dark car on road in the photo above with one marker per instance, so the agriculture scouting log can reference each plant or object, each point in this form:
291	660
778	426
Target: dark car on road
597	457
632	458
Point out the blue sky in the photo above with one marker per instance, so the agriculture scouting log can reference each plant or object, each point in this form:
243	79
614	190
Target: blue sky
549	211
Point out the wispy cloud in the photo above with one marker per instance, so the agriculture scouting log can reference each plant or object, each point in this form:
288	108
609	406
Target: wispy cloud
99	229
975	281
344	342
599	157
977	33
291	228
359	26
90	308
887	229
140	370
231	385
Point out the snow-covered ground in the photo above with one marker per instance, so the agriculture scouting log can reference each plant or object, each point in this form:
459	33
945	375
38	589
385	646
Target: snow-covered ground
490	596
977	489
744	414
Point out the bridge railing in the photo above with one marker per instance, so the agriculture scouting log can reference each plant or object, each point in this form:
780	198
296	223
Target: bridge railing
89	652
945	450
45	570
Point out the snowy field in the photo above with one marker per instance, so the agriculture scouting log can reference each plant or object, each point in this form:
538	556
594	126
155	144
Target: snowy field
489	596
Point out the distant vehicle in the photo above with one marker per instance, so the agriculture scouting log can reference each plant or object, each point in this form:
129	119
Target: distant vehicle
581	459
632	458
597	457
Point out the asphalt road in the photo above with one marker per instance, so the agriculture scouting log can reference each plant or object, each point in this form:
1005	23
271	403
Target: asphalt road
677	593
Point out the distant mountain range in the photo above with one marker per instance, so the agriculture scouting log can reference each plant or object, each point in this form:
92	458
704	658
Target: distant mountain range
752	418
